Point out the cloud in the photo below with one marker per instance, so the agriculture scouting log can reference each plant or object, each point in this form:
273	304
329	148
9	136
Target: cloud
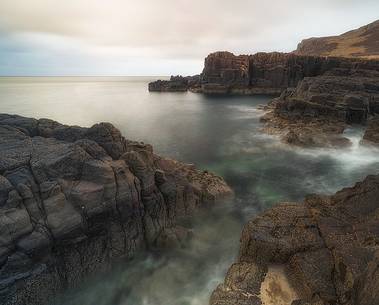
176	30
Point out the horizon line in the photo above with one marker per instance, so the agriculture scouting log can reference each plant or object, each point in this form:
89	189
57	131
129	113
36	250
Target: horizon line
3	76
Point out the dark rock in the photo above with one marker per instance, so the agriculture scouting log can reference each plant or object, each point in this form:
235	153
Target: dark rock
175	84
371	135
317	111
73	200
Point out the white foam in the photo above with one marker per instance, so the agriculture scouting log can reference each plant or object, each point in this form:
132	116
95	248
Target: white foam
357	155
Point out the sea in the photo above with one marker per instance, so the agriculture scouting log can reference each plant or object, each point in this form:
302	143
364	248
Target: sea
222	134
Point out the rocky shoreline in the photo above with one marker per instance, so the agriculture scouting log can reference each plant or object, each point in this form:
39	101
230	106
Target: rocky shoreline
73	200
318	110
323	251
320	252
318	97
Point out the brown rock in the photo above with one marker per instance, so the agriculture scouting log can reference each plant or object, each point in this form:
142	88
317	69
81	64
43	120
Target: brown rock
327	246
362	42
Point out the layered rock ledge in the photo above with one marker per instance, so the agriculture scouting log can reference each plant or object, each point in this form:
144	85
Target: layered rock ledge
73	200
318	110
323	251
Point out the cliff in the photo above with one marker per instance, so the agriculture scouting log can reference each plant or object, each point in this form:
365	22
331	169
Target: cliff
362	42
73	200
320	252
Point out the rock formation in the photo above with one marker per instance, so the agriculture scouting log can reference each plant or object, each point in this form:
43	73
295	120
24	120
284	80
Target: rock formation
362	42
175	84
320	252
317	111
73	200
261	73
371	135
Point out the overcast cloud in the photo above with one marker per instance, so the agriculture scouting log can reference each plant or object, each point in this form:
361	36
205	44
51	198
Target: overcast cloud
159	37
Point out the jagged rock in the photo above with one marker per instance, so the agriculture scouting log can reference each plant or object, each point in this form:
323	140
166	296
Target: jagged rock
327	247
175	84
73	199
318	110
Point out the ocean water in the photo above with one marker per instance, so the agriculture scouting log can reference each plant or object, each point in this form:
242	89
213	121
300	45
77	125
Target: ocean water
219	134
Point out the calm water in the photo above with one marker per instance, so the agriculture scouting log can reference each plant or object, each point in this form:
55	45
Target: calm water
219	134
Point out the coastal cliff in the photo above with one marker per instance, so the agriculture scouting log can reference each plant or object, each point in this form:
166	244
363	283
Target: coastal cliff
320	252
261	73
74	200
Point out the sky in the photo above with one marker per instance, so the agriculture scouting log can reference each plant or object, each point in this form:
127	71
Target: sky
159	37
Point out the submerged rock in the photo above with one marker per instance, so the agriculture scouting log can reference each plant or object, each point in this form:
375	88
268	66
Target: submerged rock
319	252
73	200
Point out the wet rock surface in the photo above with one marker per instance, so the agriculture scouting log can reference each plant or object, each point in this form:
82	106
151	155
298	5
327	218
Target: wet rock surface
73	200
324	251
317	111
371	135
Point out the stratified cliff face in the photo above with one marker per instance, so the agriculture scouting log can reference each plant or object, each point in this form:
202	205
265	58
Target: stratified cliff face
73	200
320	252
268	73
362	42
261	73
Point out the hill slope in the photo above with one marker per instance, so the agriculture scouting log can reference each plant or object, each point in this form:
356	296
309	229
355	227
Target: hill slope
362	42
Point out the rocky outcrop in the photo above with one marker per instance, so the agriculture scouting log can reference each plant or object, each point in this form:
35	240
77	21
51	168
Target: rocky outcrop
317	111
175	84
362	42
268	73
320	252
73	200
371	135
271	73
261	73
